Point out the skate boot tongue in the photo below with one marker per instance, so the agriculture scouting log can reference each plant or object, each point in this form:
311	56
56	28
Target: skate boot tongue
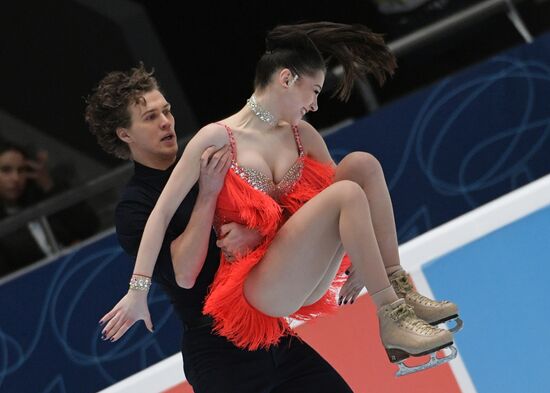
400	309
401	282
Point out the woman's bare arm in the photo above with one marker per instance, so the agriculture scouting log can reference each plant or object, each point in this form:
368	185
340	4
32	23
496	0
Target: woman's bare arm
314	144
183	177
188	251
133	306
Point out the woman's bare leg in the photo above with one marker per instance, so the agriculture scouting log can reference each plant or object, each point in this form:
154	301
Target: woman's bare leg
365	170
304	254
328	278
300	256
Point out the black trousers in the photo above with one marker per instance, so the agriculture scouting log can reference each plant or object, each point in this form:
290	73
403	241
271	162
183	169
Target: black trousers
212	364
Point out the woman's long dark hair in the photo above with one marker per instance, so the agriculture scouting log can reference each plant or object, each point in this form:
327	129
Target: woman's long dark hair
306	48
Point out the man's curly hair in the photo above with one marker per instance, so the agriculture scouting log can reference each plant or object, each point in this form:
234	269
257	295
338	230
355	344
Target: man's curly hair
107	107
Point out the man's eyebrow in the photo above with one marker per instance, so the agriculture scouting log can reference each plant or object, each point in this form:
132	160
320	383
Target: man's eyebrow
167	105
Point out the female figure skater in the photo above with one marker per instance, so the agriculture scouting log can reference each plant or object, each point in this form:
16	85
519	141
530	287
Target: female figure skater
283	183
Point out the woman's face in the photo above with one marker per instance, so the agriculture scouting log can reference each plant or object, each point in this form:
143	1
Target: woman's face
13	175
303	96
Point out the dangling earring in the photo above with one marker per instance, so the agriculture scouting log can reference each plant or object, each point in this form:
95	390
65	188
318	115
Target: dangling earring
291	82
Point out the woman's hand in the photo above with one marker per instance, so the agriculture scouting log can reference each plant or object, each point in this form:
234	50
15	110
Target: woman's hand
236	239
351	288
131	308
214	165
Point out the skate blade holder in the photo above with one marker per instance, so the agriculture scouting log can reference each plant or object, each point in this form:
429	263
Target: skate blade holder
458	325
433	362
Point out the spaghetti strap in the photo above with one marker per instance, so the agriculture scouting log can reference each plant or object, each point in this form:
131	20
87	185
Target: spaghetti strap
232	143
298	140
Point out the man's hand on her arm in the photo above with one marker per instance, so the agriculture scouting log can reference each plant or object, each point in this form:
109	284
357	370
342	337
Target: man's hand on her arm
214	165
236	239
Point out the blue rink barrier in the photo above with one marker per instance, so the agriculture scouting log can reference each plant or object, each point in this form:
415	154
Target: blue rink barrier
461	142
49	332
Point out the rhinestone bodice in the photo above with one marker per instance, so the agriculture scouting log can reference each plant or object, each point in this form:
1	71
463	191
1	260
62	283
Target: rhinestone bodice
259	180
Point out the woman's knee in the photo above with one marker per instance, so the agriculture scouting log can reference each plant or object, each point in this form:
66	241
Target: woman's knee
349	191
360	162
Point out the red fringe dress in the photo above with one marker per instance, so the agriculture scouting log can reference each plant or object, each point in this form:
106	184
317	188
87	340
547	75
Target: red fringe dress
250	198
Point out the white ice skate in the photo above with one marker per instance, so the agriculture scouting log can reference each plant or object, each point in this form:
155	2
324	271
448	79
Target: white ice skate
432	311
405	335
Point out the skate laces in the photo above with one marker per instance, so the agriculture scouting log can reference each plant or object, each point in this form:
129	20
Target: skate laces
405	316
425	300
405	286
403	283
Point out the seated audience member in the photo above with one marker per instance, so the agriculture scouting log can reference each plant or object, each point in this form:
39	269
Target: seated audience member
23	182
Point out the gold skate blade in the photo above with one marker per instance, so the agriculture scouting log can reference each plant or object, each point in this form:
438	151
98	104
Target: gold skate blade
433	362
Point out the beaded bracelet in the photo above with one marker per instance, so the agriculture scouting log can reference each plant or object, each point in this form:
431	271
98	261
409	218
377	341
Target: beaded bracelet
139	282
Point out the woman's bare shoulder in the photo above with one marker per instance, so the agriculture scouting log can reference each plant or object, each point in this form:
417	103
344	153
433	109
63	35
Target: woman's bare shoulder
212	134
309	134
313	141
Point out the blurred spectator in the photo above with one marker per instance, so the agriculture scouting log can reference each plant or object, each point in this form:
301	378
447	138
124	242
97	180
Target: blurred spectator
24	181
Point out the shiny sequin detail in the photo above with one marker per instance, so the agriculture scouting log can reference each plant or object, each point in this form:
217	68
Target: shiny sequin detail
259	111
261	181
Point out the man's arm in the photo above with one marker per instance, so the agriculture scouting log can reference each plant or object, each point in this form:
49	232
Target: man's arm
236	240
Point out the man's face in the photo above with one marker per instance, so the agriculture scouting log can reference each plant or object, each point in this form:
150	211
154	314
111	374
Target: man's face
13	177
151	137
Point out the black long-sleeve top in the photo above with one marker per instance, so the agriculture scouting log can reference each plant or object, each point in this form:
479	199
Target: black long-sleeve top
131	214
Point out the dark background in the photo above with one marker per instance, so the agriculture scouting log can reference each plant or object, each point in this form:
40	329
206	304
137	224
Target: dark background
215	48
53	53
